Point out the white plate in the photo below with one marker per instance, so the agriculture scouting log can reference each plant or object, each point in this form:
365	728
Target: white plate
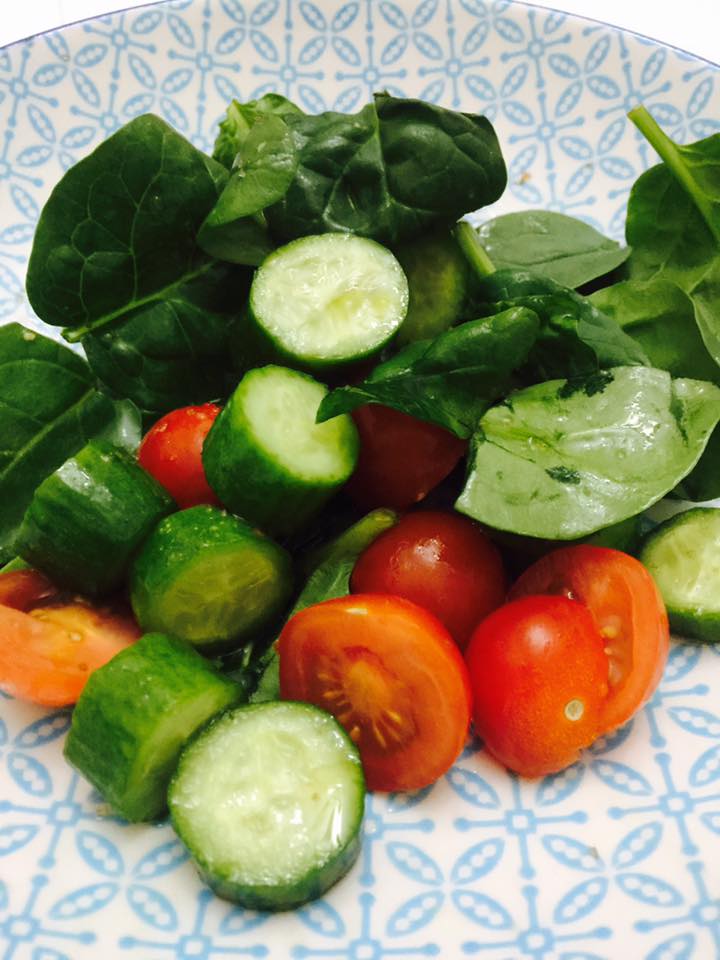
618	857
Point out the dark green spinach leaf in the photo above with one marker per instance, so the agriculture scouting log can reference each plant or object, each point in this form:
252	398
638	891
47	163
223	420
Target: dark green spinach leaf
575	338
550	244
450	380
561	464
388	172
49	408
239	118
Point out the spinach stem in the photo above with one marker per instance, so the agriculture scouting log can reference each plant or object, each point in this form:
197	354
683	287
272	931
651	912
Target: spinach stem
673	160
469	243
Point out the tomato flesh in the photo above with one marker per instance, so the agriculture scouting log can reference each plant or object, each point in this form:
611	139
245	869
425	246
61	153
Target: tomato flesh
628	611
23	589
392	676
538	673
47	655
401	458
440	560
172	452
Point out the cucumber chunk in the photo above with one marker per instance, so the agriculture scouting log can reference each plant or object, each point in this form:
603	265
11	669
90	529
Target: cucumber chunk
438	275
86	520
135	715
328	299
209	578
683	556
267	459
269	801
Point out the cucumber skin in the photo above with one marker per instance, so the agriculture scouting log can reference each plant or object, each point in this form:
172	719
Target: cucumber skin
251	484
83	534
176	542
690	624
120	701
267	897
262	347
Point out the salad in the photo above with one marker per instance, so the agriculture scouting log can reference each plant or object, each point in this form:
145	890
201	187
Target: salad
341	473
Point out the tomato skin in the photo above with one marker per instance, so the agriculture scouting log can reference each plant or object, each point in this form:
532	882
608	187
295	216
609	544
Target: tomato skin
393	677
628	610
440	560
47	655
171	451
528	661
401	458
23	589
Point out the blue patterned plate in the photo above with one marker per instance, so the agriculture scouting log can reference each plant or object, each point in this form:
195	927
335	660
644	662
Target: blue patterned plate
617	857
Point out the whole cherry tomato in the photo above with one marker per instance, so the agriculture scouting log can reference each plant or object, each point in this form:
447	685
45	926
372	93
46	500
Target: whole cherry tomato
401	458
441	561
172	452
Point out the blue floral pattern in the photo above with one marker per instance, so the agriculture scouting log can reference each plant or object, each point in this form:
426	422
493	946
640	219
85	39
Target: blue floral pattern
614	857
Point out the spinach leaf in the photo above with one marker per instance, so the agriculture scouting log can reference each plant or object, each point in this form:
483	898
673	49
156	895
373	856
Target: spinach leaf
118	231
329	580
177	350
49	408
575	336
703	482
561	460
660	316
263	170
238	120
450	380
696	166
389	171
567	250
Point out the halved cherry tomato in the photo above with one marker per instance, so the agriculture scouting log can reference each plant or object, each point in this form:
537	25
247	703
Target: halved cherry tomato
23	589
539	679
171	451
47	655
401	458
391	674
629	613
441	561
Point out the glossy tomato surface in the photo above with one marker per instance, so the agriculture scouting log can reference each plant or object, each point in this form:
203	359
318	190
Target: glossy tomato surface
441	561
47	654
23	589
393	677
628	610
171	451
401	458
539	679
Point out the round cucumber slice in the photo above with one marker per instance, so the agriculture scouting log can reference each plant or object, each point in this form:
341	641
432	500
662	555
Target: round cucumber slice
329	299
209	578
683	556
267	459
269	801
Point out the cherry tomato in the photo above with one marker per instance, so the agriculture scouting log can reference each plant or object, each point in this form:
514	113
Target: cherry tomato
441	561
401	458
539	679
23	589
391	674
172	452
47	655
629	613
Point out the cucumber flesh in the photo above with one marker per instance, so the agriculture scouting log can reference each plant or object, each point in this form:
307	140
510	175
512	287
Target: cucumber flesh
134	716
269	801
328	299
209	578
683	556
267	459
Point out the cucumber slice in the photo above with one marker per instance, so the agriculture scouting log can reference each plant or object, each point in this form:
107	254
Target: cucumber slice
209	578
267	459
135	715
683	555
438	273
269	801
328	299
86	520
